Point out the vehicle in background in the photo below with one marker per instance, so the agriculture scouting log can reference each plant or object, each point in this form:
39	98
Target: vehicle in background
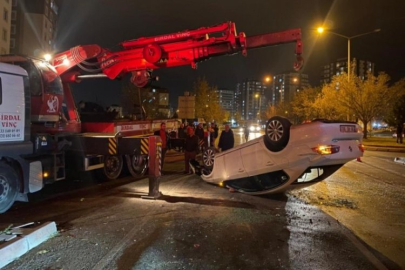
255	128
394	135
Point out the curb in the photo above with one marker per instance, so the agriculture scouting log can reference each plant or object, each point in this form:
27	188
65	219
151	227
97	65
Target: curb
21	245
385	149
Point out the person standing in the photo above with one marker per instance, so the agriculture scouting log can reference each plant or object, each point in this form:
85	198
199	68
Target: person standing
200	131
246	132
226	140
213	134
400	131
191	148
165	140
181	132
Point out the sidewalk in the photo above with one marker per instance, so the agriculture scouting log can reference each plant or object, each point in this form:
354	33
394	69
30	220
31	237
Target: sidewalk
385	148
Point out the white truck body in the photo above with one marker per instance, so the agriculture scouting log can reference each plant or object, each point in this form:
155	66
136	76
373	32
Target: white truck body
12	103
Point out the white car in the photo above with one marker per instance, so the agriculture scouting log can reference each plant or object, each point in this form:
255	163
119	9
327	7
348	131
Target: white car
394	135
287	156
254	128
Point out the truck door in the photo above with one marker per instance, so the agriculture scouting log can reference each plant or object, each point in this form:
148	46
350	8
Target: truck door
12	105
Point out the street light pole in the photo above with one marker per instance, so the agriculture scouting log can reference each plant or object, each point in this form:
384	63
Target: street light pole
348	60
259	96
321	30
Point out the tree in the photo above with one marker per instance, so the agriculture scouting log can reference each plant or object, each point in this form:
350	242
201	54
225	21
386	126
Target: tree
207	101
271	111
367	98
303	104
226	115
396	112
326	105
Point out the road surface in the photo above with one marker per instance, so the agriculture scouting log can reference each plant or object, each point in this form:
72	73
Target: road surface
353	220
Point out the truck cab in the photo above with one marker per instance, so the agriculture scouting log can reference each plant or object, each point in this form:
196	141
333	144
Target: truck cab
18	175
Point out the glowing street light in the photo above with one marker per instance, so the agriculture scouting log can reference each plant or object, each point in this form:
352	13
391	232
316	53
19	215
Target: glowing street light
267	79
321	30
47	57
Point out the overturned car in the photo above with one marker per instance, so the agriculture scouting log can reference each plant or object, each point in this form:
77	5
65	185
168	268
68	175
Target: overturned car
287	156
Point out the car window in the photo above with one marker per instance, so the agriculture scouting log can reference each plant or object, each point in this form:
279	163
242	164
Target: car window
260	182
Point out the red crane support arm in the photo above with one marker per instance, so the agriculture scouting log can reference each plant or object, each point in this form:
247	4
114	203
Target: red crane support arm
140	56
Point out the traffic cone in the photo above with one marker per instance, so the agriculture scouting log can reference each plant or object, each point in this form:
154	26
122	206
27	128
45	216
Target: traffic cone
359	159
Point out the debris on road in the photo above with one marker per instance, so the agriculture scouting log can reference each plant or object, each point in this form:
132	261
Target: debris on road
400	160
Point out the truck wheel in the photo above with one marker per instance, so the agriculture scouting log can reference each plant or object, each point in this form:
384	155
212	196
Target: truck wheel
277	133
113	166
208	159
137	165
9	186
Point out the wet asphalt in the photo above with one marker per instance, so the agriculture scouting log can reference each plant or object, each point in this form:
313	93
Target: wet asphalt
194	225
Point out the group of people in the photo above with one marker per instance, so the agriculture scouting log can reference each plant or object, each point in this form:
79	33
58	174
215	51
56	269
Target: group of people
194	137
209	135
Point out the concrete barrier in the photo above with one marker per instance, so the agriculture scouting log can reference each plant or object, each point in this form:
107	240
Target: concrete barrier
9	251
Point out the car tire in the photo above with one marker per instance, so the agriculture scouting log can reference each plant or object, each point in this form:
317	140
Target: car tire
277	133
208	159
137	165
9	186
113	165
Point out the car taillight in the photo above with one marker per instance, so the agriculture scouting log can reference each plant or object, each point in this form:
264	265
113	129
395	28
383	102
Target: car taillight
361	147
326	149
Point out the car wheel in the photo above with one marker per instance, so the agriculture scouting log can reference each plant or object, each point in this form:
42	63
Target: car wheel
277	133
208	159
9	186
137	165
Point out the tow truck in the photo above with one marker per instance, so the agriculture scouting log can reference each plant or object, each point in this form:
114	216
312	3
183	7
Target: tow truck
41	134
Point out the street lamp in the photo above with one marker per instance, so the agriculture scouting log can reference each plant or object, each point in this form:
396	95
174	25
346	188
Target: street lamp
260	104
321	30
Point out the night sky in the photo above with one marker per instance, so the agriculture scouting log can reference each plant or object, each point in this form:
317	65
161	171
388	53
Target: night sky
109	22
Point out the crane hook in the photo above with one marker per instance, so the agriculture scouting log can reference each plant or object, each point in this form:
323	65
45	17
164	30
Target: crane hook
299	63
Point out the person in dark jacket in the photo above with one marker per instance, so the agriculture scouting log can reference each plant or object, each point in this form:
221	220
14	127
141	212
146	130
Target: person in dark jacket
191	148
226	141
165	140
215	131
199	131
181	132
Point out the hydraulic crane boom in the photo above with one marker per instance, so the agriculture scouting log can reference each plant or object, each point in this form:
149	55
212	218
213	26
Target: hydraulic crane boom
141	56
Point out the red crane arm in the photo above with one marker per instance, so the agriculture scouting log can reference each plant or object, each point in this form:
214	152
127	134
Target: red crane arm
141	56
